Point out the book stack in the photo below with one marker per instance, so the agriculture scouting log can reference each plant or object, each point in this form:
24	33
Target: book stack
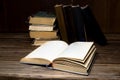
42	27
70	23
78	24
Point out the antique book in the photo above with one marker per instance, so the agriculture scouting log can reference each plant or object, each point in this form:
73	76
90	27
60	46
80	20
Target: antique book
61	22
40	41
42	18
79	23
43	34
76	57
71	23
92	27
70	27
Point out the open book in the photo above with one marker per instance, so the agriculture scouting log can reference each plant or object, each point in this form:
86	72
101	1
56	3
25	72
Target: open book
76	57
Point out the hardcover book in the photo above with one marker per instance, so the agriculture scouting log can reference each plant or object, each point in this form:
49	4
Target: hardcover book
40	41
43	34
42	18
61	23
93	29
76	57
71	23
79	23
70	26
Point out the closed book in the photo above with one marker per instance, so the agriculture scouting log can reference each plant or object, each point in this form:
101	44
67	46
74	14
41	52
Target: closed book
42	18
79	23
93	29
40	41
43	34
61	23
70	26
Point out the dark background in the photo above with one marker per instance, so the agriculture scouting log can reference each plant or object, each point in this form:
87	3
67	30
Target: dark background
14	13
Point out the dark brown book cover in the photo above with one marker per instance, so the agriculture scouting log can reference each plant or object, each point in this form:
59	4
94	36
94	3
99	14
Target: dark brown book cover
61	22
93	29
70	26
79	23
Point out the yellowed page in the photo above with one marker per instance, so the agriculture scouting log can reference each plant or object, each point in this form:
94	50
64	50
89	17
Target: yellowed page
77	50
49	50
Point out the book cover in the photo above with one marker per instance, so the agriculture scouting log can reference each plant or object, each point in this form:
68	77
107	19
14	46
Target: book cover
69	20
61	23
40	41
79	23
93	29
43	34
42	18
73	23
44	14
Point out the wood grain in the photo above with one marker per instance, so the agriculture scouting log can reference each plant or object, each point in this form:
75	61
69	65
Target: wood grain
15	46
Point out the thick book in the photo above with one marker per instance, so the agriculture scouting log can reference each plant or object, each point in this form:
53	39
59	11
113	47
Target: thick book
43	34
42	18
79	23
76	57
92	27
70	26
40	41
61	23
71	23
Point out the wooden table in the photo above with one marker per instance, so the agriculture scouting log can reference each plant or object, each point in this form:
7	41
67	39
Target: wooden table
14	46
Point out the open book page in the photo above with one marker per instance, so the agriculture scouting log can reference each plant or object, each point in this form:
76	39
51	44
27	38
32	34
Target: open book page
49	50
77	50
67	62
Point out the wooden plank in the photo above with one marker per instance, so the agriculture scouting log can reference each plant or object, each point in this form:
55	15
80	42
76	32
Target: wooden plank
109	53
12	49
113	37
15	69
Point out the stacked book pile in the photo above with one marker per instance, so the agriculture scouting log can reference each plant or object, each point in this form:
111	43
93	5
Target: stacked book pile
42	27
78	23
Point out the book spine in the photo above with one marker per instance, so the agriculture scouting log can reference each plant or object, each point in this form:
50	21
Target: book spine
61	22
79	23
67	9
93	29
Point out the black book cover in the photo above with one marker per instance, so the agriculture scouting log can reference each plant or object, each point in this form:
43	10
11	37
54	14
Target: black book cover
93	29
79	23
70	27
